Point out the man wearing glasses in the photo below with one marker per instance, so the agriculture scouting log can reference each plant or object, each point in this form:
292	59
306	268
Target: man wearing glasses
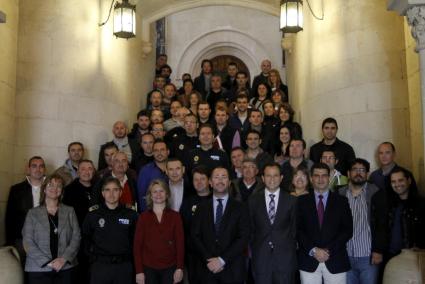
368	207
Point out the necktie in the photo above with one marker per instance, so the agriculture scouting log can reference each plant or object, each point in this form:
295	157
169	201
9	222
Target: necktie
320	210
218	214
272	208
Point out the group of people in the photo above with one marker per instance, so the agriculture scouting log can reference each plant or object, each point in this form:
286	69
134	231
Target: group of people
213	185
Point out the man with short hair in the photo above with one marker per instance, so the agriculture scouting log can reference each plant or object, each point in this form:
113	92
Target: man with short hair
232	70
156	116
337	179
237	155
256	119
241	83
406	215
169	94
156	103
179	187
187	210
146	152
202	83
204	113
206	154
181	144
158	131
109	152
239	120
220	233
249	183
324	226
124	144
108	234
165	72
174	120
151	171
79	193
254	151
69	170
343	152
141	127
217	92
160	61
273	242
266	66
296	159
127	178
22	197
227	137
381	177
369	209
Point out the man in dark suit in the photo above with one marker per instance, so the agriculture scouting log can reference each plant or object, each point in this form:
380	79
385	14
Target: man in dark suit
22	197
324	226
220	233
273	244
202	83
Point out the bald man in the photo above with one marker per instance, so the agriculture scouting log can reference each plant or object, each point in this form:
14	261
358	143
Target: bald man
130	147
266	66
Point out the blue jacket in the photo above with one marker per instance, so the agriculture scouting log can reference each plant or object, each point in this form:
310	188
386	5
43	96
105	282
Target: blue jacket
147	174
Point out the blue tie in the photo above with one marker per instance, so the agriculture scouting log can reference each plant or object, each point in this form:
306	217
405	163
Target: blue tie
218	214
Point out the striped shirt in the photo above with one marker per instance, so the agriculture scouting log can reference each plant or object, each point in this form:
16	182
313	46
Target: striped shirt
361	242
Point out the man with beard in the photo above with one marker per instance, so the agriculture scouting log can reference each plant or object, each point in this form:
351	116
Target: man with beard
230	81
129	147
369	209
239	120
141	127
151	171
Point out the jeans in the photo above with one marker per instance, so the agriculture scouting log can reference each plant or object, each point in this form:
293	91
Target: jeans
362	271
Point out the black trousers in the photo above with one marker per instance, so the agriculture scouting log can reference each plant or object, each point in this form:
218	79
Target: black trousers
112	273
159	276
52	277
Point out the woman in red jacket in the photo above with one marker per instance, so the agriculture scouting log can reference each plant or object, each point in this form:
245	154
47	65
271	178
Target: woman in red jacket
159	239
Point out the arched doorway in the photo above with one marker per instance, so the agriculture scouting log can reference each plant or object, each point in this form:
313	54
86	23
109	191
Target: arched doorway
220	65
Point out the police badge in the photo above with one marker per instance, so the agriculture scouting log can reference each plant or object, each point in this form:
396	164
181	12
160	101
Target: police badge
101	222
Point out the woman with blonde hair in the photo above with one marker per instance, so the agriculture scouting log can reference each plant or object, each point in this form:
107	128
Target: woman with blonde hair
159	239
51	236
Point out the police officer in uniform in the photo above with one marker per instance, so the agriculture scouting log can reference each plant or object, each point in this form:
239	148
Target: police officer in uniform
108	232
206	154
181	144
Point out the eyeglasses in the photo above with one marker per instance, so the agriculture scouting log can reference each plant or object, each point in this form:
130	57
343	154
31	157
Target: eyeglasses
359	170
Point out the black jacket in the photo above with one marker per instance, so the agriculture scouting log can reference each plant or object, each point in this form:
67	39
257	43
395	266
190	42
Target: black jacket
230	243
19	202
335	232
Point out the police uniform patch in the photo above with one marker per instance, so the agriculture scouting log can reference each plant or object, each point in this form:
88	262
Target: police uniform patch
94	207
215	157
101	222
196	158
181	146
124	221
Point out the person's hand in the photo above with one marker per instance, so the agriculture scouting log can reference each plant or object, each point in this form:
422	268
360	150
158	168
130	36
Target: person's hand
214	265
321	255
376	258
178	276
140	278
57	263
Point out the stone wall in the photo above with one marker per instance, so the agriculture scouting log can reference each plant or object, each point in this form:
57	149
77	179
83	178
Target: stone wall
74	79
415	107
206	32
351	66
8	53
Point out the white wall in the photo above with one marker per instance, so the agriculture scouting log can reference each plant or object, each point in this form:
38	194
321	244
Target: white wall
199	33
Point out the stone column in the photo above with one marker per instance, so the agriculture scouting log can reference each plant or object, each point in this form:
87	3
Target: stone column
416	19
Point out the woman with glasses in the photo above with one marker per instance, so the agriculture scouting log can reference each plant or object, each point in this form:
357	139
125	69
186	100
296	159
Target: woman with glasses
51	237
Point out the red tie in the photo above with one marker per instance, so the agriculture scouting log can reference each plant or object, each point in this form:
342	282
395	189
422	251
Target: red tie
320	210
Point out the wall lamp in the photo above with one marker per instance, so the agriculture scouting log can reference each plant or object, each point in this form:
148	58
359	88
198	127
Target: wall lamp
291	15
124	19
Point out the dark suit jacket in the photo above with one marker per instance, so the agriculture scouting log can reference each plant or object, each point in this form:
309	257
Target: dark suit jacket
19	202
336	230
273	246
230	243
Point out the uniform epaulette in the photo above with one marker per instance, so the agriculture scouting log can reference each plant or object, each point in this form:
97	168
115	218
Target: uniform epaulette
94	207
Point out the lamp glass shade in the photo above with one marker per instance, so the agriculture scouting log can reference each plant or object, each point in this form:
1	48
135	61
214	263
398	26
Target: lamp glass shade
291	16
125	20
